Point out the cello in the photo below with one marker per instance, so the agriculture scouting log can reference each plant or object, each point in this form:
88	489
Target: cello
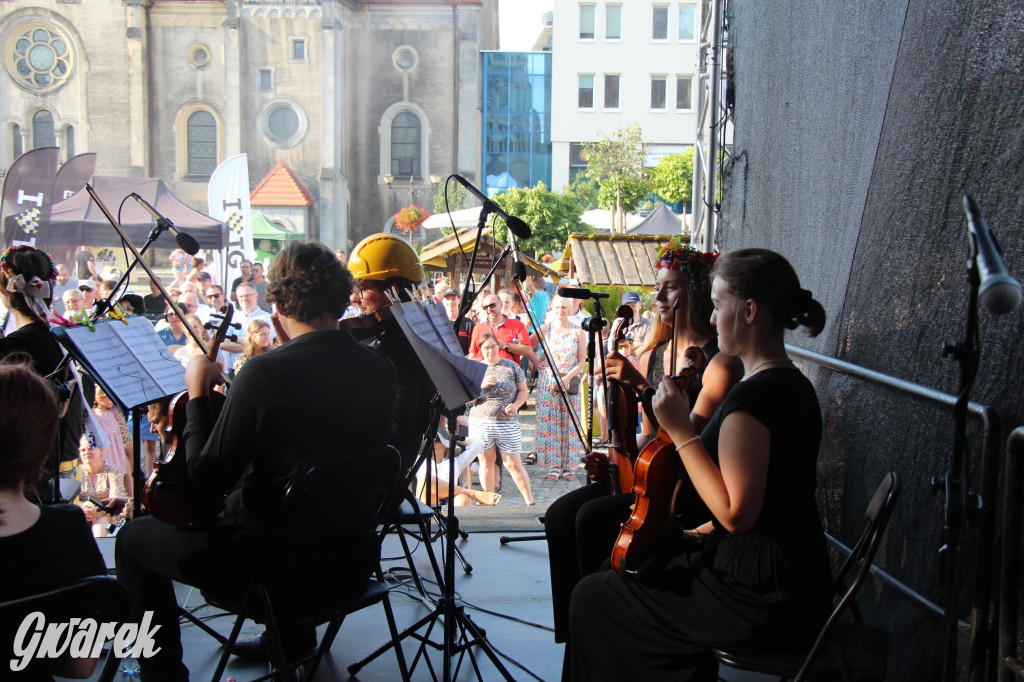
656	480
168	494
622	413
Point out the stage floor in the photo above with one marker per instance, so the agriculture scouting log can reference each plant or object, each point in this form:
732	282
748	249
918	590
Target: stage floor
507	594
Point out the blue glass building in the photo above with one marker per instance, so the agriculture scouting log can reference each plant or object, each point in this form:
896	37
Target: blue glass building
516	120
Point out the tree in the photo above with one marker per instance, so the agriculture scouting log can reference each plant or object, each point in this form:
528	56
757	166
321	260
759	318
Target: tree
583	191
458	198
552	217
630	195
616	162
672	179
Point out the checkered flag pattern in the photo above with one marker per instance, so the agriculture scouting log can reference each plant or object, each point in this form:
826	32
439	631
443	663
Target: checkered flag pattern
29	220
235	222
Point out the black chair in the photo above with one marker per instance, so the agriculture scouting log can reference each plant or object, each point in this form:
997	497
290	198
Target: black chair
98	597
356	488
843	650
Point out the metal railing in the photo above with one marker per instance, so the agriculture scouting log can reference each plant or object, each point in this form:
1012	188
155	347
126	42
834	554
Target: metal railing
982	648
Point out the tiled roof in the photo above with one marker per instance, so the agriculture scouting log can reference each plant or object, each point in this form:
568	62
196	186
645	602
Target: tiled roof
616	259
280	187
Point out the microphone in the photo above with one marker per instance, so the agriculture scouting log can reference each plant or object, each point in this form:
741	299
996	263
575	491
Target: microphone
572	292
998	293
187	242
515	225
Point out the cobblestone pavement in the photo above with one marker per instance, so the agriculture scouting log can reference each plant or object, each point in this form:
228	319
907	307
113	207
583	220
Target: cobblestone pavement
544	491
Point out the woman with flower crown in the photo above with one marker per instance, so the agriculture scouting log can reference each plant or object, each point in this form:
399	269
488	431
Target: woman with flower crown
757	570
582	526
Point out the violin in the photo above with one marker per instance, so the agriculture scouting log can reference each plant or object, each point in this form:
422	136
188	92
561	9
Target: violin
622	413
371	325
168	494
657	476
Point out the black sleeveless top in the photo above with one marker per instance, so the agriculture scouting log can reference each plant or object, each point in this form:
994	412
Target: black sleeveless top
656	368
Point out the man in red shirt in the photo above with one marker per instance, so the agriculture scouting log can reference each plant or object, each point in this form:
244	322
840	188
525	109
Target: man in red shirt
511	334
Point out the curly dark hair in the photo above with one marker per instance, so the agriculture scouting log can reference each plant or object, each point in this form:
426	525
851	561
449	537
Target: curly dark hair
769	279
308	283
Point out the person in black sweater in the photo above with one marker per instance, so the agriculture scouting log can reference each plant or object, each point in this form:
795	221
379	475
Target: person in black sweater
27	276
387	268
51	546
757	570
319	395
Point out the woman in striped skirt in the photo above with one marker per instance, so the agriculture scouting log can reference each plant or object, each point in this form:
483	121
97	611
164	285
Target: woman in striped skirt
494	419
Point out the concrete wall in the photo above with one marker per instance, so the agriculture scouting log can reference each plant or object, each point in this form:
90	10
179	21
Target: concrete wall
858	128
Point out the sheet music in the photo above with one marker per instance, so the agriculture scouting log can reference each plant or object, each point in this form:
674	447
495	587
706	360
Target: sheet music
127	360
471	372
443	325
456	378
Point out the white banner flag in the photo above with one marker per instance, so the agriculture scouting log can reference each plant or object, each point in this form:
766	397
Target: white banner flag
228	197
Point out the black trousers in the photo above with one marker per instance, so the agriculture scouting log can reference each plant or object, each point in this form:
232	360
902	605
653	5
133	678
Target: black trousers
150	555
581	528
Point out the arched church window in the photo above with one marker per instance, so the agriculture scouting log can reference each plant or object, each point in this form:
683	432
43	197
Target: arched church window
42	130
202	143
405	146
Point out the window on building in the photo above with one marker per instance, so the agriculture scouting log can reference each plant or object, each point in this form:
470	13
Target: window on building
613	22
69	142
576	163
202	143
657	92
659	28
405	145
687	22
16	143
586	94
587	13
298	50
42	130
684	93
265	83
611	91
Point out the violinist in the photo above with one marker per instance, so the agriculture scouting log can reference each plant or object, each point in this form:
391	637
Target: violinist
757	570
582	526
386	268
287	408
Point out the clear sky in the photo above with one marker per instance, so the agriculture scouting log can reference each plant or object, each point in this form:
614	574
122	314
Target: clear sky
519	22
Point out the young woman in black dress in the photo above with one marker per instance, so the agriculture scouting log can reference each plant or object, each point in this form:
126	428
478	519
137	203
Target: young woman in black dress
757	570
581	526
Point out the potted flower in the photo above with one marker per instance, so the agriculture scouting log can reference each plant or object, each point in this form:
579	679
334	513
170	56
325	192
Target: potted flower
410	218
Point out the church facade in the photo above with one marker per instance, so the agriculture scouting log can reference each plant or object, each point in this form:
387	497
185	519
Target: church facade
357	98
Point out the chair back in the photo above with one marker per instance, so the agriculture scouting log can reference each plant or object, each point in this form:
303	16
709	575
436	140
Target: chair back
98	597
876	518
333	498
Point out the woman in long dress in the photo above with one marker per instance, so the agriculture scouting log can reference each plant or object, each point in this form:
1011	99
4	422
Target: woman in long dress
558	444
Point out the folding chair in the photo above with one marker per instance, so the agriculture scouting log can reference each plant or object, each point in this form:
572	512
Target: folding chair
842	651
98	597
335	488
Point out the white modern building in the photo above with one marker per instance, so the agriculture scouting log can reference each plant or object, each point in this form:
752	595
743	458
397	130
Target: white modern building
619	63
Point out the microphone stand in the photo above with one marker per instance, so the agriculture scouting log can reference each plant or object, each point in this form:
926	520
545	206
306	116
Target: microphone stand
960	506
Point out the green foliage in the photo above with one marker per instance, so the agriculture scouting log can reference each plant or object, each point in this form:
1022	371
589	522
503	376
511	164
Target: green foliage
458	198
672	179
616	162
583	190
552	218
632	194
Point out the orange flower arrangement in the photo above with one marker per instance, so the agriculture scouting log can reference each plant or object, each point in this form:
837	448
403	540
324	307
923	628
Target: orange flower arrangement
410	218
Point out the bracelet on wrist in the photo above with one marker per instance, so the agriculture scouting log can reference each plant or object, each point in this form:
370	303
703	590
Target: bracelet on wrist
682	445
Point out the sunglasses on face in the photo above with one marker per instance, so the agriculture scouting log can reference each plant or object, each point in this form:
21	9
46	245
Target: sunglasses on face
488	306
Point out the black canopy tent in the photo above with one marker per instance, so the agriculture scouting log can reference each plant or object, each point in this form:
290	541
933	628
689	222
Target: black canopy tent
79	220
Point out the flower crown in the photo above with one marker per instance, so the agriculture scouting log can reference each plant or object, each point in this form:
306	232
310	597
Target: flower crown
685	258
8	270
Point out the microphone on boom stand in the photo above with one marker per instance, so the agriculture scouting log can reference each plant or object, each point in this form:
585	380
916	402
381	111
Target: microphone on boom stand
584	294
516	226
186	241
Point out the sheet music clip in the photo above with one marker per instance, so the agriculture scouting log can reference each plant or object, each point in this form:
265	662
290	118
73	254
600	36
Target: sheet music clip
116	312
83	319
